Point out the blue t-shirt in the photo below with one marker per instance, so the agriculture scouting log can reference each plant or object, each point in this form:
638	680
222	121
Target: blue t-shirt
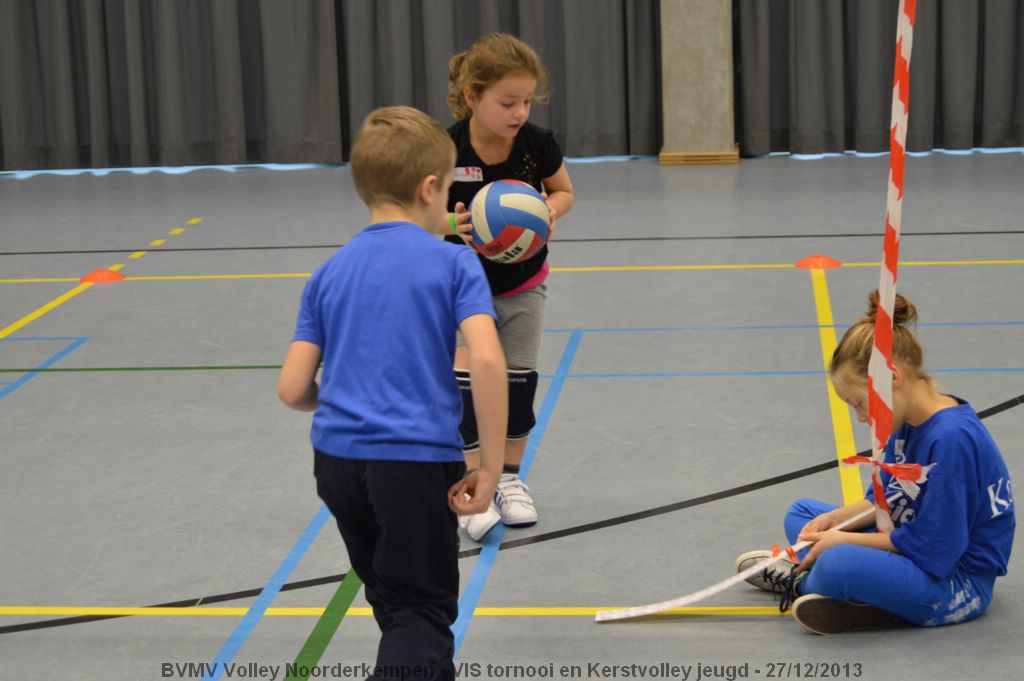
963	518
384	310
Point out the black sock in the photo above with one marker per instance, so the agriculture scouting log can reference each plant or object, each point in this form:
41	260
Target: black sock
509	468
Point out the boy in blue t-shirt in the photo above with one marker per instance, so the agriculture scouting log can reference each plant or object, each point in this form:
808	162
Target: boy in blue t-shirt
381	314
949	539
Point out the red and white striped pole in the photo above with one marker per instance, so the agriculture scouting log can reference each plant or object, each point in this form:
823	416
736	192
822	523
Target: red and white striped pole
880	364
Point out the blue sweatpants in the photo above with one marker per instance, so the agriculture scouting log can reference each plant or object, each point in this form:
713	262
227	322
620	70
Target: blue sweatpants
887	580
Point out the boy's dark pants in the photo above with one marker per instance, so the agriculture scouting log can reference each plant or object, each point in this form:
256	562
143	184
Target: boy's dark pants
402	541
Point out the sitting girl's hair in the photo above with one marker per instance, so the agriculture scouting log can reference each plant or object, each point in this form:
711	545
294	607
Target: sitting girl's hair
854	350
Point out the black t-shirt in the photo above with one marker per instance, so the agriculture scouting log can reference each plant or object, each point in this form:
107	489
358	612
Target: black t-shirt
535	155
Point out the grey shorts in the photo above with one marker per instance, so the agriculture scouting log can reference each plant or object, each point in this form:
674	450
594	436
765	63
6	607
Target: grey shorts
520	325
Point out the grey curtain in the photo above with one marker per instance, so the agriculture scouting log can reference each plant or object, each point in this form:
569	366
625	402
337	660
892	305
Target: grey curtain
815	76
603	57
166	82
176	82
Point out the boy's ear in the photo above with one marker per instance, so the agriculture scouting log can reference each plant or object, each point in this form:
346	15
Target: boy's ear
426	188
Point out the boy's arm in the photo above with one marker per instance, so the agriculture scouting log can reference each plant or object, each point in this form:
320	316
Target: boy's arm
489	381
296	386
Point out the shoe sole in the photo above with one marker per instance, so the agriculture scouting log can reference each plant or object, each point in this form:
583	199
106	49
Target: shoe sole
527	523
826	616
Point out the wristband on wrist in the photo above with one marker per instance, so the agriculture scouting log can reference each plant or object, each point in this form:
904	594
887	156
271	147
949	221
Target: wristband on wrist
451	223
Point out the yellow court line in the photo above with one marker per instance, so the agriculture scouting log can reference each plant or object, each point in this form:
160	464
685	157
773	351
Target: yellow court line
194	221
116	611
626	268
937	263
137	254
175	232
191	277
56	302
841	424
158	242
670	268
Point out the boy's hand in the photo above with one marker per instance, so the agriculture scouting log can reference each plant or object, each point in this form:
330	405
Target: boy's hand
480	490
552	214
462	226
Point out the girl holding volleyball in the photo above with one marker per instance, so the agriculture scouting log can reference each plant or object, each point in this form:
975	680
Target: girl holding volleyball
491	88
949	542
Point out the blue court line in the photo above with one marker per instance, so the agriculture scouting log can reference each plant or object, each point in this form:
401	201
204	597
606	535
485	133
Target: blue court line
978	370
76	342
728	374
488	554
42	338
759	327
700	374
238	637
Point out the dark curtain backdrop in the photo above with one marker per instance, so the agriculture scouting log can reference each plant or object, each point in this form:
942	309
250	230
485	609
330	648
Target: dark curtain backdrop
815	76
179	82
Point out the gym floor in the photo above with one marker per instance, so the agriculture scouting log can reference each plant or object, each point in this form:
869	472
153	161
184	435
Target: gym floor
683	405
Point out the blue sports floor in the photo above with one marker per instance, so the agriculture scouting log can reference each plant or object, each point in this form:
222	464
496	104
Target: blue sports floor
158	517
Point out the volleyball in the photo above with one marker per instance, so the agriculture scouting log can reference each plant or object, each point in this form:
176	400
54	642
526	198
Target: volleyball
510	221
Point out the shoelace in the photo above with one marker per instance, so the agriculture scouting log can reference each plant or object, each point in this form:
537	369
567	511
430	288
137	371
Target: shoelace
783	583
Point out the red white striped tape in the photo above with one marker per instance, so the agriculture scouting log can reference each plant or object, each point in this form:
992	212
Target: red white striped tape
689	599
880	363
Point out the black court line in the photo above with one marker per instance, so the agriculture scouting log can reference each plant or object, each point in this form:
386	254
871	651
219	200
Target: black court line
190	603
515	543
582	240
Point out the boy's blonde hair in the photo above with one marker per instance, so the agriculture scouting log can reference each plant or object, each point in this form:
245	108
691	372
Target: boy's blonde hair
395	149
487	61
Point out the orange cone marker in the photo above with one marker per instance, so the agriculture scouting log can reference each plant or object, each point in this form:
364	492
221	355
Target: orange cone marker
818	262
100	276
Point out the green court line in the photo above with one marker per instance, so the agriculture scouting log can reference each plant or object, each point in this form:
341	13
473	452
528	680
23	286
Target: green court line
226	367
325	628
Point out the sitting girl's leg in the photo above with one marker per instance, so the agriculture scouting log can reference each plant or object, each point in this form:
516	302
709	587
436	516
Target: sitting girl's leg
894	583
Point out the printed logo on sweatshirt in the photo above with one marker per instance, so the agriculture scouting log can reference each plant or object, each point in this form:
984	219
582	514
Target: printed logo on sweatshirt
468	174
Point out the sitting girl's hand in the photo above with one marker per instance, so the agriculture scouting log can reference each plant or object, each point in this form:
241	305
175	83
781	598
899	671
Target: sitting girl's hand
819	524
822	541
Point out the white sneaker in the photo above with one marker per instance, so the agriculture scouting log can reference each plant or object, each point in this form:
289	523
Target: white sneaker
479	524
777	577
513	502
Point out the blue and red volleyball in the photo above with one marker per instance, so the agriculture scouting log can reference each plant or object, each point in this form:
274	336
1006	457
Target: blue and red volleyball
510	221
